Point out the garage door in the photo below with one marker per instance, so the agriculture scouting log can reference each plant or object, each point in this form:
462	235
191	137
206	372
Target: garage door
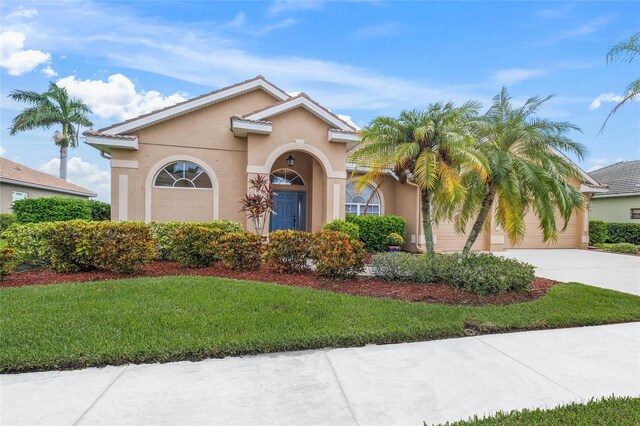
448	240
570	238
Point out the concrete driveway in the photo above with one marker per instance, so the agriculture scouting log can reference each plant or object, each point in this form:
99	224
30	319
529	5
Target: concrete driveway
619	272
406	383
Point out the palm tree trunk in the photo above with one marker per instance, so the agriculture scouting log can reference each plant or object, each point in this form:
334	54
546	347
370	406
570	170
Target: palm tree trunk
480	220
427	223
64	149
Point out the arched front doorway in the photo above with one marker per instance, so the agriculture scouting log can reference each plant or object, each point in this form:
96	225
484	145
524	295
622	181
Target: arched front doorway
299	182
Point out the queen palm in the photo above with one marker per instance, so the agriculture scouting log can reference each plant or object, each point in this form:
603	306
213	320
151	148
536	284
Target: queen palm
629	51
48	109
424	148
527	171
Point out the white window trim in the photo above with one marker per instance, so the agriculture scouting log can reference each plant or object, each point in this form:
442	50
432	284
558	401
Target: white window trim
359	206
184	178
287	170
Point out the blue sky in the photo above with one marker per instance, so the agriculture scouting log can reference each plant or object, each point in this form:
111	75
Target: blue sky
360	59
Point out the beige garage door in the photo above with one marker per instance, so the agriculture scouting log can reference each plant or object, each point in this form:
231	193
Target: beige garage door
448	240
570	238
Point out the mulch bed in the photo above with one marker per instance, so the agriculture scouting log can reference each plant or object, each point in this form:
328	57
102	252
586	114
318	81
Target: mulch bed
372	287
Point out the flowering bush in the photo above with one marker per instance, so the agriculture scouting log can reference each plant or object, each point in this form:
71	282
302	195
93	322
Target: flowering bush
7	262
194	245
240	251
336	255
288	251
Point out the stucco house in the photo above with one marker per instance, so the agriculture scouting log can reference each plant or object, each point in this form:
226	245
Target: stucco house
622	202
192	162
18	182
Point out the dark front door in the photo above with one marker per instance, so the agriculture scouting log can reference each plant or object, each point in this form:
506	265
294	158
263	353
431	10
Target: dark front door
290	211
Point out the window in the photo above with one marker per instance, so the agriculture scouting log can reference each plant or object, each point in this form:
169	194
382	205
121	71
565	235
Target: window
635	213
286	177
355	200
183	174
16	195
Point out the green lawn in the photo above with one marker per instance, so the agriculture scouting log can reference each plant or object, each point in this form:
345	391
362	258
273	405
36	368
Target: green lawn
170	318
604	412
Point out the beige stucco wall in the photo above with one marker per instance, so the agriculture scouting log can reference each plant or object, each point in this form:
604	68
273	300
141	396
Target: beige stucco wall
6	190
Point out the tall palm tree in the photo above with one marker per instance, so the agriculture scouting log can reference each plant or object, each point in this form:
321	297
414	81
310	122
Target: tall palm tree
629	51
527	170
50	108
424	148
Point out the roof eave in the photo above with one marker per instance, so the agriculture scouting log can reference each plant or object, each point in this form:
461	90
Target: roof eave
47	187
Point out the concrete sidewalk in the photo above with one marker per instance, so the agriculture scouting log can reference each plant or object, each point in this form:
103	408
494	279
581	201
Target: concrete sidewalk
391	384
619	272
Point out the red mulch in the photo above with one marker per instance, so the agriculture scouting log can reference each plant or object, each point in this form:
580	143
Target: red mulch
373	287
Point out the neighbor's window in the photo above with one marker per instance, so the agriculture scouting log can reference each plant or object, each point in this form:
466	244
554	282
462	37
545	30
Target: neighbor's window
183	174
635	213
355	200
286	177
16	195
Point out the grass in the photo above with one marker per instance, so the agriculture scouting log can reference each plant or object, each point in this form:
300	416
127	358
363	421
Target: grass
604	412
185	317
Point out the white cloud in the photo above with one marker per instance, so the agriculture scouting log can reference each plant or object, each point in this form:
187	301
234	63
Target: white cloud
590	27
378	31
237	21
49	72
275	26
516	75
605	97
598	163
82	173
23	12
117	97
280	6
2	151
349	121
14	58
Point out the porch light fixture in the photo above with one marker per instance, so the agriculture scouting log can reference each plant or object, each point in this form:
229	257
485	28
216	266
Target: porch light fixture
290	160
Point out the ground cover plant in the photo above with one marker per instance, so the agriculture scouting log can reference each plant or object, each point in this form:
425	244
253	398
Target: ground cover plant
607	411
188	317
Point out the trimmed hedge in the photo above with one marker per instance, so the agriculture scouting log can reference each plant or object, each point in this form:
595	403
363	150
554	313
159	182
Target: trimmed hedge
481	273
58	209
288	250
241	251
597	232
6	220
194	245
30	243
623	233
374	230
336	255
351	229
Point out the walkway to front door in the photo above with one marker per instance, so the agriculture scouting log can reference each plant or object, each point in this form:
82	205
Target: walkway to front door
290	211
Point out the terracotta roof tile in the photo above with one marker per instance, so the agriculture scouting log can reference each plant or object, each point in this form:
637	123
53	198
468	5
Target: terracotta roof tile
97	134
21	173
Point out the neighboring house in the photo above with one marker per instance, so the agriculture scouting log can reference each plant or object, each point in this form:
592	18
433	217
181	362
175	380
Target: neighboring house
18	182
192	162
622	202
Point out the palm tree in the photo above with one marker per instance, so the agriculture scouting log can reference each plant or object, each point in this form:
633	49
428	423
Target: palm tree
425	148
629	51
53	107
527	169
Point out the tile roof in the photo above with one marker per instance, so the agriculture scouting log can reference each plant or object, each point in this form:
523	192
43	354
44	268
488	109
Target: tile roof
98	134
10	171
623	178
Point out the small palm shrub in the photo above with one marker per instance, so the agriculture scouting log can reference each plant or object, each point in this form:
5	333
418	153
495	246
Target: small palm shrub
626	248
240	251
7	262
288	251
194	245
349	228
597	232
336	255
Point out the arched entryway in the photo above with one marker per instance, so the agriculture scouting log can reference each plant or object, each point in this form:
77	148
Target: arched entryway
299	181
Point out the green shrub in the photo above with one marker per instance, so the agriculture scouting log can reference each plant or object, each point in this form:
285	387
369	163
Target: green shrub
485	273
597	232
336	255
63	239
6	220
240	251
289	251
405	267
99	210
194	245
623	233
626	248
121	247
7	262
375	229
51	209
395	239
164	232
349	228
30	243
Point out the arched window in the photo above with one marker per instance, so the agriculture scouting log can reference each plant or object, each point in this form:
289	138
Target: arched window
183	174
286	177
355	200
